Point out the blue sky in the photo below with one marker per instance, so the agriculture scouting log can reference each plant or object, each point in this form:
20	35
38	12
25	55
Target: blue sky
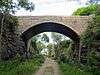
53	7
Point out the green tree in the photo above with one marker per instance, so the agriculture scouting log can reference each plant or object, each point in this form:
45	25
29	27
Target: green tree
40	46
37	43
45	38
56	39
33	46
9	6
62	46
66	50
10	39
50	50
85	11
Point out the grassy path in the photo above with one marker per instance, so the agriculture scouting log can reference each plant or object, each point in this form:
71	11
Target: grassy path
50	67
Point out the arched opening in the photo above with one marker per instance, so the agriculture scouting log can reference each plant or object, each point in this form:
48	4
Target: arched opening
52	27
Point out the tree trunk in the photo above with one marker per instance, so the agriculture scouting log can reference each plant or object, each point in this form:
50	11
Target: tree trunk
1	31
79	52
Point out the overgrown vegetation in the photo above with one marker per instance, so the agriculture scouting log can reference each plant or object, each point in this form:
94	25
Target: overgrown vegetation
18	67
9	39
12	49
91	39
11	43
70	69
62	47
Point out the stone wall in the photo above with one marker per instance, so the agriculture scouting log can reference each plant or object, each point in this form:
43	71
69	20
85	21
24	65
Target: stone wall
76	23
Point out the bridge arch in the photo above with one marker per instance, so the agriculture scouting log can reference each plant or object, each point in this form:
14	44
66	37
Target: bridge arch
50	27
71	26
53	27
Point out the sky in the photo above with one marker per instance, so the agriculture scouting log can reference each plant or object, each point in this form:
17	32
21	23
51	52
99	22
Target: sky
52	7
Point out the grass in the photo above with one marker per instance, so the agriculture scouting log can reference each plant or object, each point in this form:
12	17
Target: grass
16	67
68	69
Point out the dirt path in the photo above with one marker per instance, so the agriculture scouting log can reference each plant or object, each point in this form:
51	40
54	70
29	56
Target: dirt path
50	67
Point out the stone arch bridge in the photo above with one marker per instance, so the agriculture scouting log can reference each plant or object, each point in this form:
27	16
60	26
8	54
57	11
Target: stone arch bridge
71	26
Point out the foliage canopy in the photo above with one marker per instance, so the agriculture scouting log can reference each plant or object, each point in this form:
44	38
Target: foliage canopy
86	11
13	5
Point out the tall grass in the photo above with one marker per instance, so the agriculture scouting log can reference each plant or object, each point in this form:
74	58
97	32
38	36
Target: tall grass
69	69
17	67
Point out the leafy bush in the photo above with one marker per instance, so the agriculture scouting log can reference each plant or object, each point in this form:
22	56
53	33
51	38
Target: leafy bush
69	69
91	40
